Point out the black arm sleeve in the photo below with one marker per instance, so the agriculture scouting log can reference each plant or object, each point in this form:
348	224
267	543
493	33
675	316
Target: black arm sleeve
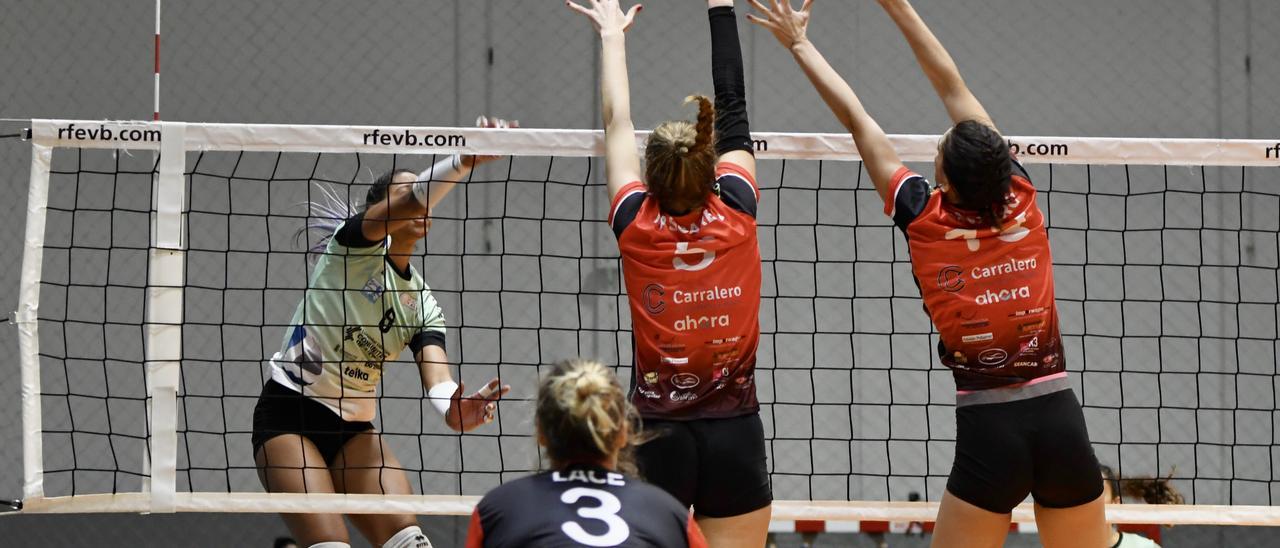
733	130
351	234
424	339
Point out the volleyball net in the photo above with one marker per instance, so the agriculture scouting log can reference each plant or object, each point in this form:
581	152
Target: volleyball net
160	271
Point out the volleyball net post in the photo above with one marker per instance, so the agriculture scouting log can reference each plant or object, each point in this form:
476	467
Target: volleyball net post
152	293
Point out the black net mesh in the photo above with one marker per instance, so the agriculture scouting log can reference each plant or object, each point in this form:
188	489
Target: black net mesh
1166	279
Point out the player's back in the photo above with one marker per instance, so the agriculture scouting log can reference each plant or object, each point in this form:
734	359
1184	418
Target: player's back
581	505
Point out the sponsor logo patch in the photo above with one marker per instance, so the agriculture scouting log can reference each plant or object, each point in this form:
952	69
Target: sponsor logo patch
1002	296
682	396
373	288
652	297
690	323
980	337
685	380
993	356
950	278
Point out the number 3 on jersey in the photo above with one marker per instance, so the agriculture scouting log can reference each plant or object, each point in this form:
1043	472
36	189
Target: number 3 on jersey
617	530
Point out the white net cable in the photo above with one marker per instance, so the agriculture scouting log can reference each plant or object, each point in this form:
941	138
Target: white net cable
154	292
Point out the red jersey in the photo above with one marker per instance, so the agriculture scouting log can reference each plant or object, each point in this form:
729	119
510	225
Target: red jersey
988	290
693	283
581	506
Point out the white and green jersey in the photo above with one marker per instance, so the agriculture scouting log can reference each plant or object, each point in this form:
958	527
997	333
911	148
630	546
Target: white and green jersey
1134	540
358	312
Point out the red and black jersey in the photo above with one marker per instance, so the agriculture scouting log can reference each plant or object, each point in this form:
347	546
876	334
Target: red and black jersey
988	290
581	505
693	283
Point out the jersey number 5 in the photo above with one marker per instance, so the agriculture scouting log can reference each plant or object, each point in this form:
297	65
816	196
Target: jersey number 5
682	248
607	511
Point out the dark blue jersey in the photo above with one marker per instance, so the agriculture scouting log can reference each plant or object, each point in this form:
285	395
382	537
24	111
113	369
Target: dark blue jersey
581	505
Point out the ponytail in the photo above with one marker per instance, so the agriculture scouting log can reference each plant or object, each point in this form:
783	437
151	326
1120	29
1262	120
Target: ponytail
705	129
1149	490
680	160
583	414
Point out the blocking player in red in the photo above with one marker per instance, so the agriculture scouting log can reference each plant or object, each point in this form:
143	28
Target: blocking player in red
980	255
686	231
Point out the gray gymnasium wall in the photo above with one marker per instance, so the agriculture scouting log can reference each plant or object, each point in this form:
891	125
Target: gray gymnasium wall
1087	68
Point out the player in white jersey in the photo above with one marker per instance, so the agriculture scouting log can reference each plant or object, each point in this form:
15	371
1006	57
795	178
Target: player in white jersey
1148	490
364	305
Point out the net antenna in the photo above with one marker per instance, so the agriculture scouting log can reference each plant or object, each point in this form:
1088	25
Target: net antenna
105	381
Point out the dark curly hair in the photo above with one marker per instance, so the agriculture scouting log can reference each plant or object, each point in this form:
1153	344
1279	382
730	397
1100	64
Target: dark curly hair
1150	490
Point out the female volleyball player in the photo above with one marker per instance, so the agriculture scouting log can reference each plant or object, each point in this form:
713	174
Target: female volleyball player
1149	490
691	260
586	427
364	304
980	254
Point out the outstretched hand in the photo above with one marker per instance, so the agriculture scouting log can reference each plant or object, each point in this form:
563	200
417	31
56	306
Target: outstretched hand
787	24
468	412
487	122
606	15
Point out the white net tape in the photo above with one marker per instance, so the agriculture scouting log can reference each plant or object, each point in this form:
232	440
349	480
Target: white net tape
860	436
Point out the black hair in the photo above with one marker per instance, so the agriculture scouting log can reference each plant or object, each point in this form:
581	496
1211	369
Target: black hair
329	210
1109	476
977	162
1149	490
378	192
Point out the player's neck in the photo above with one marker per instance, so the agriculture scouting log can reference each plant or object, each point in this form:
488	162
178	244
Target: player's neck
608	464
399	252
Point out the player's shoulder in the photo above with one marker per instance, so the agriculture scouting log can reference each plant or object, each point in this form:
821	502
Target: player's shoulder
514	492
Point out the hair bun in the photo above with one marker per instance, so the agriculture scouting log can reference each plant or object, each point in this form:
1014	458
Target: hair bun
683	150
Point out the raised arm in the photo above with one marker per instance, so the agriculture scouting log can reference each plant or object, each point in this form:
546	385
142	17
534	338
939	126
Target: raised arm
789	27
937	64
622	161
733	129
413	199
443	176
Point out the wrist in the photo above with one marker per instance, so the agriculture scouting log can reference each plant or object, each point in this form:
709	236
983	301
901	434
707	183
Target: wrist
800	44
441	396
611	35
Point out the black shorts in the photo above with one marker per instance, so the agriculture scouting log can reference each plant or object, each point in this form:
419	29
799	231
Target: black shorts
717	466
1038	446
281	410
